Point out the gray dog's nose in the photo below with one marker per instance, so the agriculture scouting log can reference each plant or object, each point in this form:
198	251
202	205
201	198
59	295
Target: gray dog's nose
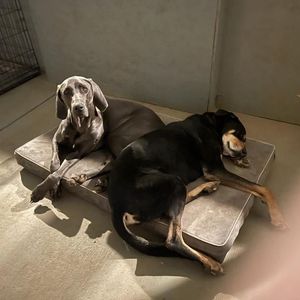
79	107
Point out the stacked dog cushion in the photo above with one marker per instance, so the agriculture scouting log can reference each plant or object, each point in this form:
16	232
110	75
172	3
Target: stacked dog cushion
211	223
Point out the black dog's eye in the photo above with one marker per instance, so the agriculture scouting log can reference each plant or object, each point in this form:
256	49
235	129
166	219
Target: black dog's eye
240	136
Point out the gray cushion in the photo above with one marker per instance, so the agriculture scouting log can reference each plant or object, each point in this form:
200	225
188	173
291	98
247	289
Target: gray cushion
210	223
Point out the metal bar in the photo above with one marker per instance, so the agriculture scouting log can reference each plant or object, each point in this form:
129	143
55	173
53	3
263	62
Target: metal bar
18	61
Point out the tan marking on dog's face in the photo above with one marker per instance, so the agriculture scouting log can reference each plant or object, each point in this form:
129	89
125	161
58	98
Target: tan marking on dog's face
232	146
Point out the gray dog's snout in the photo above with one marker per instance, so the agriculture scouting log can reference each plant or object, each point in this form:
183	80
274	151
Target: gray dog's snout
79	107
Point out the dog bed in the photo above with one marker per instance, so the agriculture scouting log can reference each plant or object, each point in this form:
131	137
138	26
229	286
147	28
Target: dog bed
211	223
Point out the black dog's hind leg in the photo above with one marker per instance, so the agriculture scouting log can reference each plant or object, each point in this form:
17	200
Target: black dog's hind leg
160	195
229	179
176	243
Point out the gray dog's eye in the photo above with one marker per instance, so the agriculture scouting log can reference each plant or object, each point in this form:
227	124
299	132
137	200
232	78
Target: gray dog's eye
67	92
84	89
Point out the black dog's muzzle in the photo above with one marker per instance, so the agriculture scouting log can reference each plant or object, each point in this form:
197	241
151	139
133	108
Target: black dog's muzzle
237	154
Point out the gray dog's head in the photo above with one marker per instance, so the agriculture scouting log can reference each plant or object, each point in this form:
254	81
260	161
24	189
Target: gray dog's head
79	96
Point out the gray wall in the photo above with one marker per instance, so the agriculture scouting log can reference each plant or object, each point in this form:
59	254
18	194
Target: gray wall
260	62
159	51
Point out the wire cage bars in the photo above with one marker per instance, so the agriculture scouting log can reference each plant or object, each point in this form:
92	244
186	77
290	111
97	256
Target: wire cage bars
18	61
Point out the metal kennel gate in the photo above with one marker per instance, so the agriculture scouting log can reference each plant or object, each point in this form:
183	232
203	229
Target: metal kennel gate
18	61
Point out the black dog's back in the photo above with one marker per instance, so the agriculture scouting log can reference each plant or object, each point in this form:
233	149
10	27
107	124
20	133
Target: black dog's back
170	149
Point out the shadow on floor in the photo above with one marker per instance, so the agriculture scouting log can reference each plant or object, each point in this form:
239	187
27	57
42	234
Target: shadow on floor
67	214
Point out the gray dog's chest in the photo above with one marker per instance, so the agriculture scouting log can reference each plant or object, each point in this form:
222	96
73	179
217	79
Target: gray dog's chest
90	133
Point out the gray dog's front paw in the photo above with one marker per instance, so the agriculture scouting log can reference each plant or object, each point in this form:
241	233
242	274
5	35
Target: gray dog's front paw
55	191
38	194
51	184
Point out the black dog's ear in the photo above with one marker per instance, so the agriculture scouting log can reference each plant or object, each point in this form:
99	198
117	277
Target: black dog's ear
99	98
222	112
225	113
61	109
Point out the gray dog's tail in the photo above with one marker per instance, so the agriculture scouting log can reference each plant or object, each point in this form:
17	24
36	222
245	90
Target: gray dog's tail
137	242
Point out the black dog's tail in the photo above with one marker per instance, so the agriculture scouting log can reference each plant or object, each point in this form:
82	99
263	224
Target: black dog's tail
137	242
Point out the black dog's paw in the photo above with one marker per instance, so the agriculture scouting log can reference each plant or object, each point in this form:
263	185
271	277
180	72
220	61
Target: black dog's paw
242	163
211	187
214	267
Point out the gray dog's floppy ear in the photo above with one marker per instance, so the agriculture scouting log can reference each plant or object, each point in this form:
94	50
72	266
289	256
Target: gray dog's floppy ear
61	109
99	98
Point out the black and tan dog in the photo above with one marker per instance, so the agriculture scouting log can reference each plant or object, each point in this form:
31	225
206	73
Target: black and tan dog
149	179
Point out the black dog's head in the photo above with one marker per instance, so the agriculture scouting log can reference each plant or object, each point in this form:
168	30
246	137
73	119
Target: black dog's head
79	96
233	134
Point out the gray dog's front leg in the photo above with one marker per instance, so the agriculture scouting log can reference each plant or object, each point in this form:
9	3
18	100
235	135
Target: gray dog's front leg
55	162
52	182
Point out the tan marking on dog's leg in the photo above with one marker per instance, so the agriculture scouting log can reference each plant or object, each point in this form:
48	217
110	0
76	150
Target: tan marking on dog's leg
208	187
267	197
176	243
276	216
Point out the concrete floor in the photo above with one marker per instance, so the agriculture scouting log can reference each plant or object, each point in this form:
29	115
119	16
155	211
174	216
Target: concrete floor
68	249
